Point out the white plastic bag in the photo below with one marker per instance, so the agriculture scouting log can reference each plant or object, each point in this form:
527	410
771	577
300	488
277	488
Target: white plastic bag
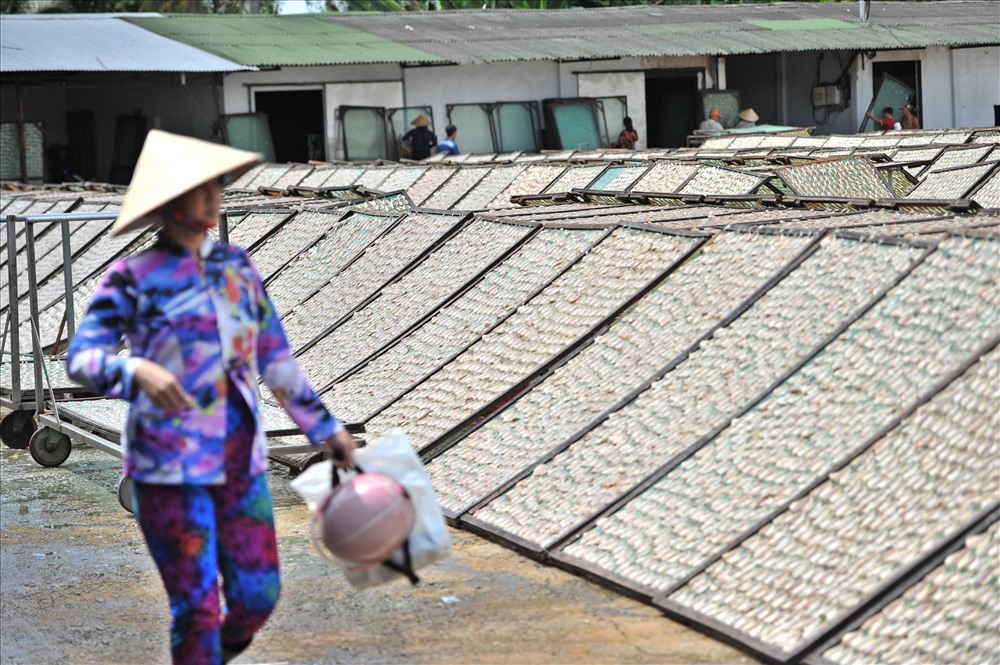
393	455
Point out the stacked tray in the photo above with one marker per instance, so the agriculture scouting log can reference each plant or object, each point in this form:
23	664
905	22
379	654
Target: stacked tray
790	584
614	272
381	261
883	364
311	269
402	304
699	396
658	328
459	324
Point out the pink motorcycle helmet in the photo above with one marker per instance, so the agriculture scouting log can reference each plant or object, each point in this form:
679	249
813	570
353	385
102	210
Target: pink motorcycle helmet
366	518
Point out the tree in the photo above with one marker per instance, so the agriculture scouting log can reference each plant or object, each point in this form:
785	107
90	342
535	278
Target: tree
160	6
14	6
441	5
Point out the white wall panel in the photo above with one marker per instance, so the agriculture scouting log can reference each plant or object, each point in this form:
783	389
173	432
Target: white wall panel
478	84
610	84
976	73
388	94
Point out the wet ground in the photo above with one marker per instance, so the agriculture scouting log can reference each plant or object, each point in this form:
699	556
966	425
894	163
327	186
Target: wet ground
76	587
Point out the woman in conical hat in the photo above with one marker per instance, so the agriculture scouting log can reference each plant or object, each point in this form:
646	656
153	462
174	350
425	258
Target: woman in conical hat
199	327
420	140
747	118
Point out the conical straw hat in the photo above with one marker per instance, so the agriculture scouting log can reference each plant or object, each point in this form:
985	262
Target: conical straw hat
170	165
749	115
420	121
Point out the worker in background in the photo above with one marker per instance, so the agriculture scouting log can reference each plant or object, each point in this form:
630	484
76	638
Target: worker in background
419	140
887	122
713	123
909	120
628	137
449	145
747	118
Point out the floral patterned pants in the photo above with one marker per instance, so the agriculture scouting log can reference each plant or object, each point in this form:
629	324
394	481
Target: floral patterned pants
196	532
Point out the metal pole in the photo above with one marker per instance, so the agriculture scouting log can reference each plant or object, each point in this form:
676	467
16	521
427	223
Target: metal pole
22	144
12	313
68	277
36	349
224	227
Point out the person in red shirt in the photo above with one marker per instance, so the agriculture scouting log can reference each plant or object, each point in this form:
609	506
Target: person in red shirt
887	121
628	136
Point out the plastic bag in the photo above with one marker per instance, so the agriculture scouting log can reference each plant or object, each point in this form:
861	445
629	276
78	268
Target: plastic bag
393	455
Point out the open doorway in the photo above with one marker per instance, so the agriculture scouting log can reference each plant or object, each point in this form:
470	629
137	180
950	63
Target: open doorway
295	118
906	72
671	106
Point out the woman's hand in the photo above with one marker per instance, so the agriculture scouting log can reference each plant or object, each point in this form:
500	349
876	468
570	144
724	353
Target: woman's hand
342	446
162	387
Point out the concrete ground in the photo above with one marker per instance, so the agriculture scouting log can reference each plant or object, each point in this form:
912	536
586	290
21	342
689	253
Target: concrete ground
77	586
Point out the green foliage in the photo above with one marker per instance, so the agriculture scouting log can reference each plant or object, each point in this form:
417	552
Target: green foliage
441	5
162	6
14	6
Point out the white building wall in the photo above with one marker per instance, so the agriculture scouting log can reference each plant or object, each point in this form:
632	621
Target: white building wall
798	72
976	73
438	86
940	87
348	85
387	94
238	88
631	85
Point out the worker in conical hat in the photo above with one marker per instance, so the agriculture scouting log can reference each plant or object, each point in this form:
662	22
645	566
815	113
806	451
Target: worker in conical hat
199	327
747	118
419	141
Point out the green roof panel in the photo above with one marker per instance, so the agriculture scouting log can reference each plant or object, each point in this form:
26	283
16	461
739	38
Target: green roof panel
266	41
804	24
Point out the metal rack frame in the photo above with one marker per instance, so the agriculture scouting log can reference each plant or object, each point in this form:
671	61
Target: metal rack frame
50	443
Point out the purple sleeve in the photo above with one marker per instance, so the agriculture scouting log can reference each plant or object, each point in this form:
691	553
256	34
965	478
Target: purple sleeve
92	358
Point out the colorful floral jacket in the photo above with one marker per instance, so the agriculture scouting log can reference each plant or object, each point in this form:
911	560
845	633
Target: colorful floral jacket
208	320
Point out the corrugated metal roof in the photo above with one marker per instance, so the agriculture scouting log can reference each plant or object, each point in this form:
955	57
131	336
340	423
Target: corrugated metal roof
96	43
654	30
266	41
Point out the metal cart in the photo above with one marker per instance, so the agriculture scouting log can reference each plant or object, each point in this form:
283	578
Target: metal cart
47	418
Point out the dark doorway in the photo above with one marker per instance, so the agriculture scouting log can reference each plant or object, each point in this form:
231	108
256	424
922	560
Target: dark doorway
296	121
671	107
906	71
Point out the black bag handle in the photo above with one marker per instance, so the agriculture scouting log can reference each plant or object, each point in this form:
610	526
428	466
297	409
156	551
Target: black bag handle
407	567
335	479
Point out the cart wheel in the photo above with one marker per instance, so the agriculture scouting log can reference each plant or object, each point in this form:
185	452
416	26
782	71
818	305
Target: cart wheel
16	429
125	493
49	447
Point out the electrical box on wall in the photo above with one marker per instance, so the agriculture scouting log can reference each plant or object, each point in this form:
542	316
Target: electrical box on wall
827	95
